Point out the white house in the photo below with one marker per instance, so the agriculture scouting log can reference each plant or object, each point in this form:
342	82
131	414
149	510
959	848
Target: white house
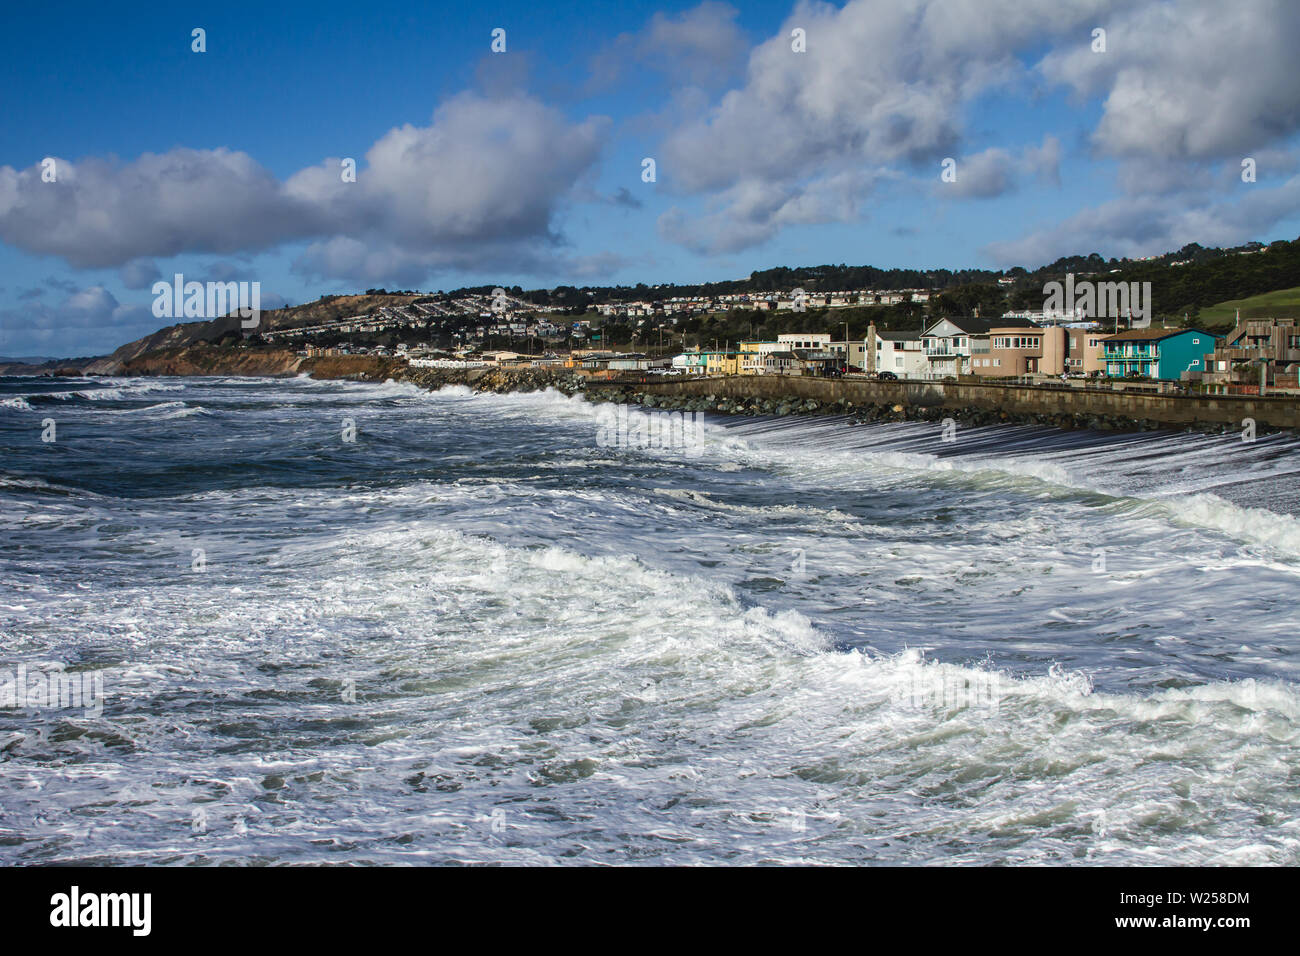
753	356
902	353
948	343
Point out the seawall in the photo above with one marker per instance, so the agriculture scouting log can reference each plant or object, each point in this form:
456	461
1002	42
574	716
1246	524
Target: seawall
1015	400
972	402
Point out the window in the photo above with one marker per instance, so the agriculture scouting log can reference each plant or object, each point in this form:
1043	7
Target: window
898	361
1196	341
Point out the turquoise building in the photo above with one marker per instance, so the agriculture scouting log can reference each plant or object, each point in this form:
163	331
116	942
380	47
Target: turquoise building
1157	352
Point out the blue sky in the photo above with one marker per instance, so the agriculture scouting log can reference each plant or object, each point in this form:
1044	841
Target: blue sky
525	167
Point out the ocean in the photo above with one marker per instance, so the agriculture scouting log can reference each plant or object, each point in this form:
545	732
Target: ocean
342	622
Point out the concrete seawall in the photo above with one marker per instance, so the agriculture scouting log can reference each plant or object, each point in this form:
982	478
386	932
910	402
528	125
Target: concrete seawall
1174	410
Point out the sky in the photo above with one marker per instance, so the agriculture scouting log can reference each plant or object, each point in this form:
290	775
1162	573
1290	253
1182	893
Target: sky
781	133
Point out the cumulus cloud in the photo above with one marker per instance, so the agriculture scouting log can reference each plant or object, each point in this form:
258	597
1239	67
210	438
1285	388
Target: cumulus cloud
702	46
139	273
750	212
881	83
1197	79
486	175
101	213
93	311
1148	225
995	171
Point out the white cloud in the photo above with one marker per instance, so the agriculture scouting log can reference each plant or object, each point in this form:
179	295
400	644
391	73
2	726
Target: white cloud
881	83
1198	79
996	172
94	311
139	273
1149	225
487	176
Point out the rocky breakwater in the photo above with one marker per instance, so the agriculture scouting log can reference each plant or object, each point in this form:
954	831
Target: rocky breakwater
863	413
497	379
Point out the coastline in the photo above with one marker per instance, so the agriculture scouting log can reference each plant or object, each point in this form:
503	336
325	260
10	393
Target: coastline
872	402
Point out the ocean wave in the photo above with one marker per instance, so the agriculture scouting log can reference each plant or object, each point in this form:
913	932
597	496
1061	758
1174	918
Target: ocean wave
110	392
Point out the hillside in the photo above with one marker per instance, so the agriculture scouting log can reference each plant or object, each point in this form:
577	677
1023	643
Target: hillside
1283	303
1205	285
187	334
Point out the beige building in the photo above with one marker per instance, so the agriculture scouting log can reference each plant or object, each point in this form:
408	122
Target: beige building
1015	350
1086	352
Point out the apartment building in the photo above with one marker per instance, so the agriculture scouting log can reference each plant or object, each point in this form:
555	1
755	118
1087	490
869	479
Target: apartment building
1273	344
1016	350
804	340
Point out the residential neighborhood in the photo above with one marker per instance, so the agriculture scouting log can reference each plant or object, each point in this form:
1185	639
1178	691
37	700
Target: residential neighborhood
1026	346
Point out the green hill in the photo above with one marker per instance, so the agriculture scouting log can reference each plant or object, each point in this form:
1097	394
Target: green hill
1282	303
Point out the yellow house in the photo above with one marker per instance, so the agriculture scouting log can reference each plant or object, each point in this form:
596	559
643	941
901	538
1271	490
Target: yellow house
750	357
722	363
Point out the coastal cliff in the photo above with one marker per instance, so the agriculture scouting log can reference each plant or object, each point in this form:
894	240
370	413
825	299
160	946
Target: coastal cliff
214	360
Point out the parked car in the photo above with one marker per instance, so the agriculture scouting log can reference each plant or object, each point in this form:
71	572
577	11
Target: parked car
887	376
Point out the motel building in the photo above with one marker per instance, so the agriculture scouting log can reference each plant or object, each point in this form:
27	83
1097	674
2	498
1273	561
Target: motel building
1158	352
